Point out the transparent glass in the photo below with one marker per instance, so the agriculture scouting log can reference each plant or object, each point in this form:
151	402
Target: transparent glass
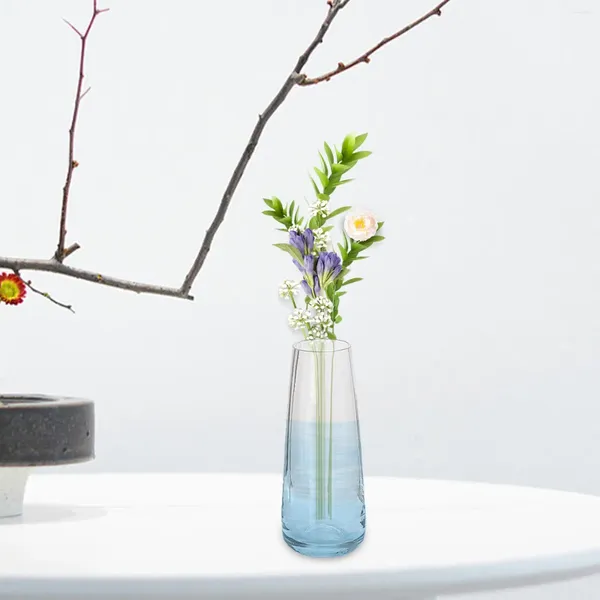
323	508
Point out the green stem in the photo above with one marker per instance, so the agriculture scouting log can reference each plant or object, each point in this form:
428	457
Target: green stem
318	469
330	475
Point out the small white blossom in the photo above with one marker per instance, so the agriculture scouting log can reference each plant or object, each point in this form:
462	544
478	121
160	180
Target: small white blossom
322	320
322	304
320	331
295	228
300	319
322	239
320	208
288	289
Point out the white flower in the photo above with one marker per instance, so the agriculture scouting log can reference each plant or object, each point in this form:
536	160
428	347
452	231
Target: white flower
322	304
360	225
320	208
295	228
299	319
317	334
322	320
288	289
322	239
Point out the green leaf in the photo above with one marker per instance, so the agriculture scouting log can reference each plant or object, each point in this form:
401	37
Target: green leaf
361	257
323	197
360	155
340	294
340	169
322	177
315	186
338	154
268	202
315	223
338	319
348	146
328	228
376	238
323	163
353	280
379	225
329	153
359	140
342	182
357	246
337	211
331	336
346	240
270	213
290	210
277	204
343	252
330	293
293	252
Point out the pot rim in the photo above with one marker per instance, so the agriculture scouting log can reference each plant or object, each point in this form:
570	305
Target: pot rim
12	401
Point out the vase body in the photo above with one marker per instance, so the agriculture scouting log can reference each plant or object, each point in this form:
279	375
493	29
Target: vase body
323	507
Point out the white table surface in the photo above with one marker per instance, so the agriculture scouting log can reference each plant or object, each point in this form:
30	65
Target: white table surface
192	535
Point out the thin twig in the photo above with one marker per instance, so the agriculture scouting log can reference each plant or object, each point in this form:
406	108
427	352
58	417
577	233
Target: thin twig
54	266
366	57
45	294
59	255
334	8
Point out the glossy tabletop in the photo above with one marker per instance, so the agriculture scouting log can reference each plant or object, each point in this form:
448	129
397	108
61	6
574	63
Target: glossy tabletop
194	535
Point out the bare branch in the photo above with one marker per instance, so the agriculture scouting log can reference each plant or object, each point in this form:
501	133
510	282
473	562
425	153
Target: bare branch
62	234
45	294
334	8
54	266
84	93
366	57
73	28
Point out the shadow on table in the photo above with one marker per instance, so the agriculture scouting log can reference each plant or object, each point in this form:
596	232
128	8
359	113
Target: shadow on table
52	513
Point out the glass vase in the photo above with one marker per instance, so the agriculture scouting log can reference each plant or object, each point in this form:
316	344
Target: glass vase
323	508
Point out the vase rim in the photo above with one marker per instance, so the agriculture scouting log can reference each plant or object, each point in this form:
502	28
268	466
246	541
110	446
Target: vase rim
324	346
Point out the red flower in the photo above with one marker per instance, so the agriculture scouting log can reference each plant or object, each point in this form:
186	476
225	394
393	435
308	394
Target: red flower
12	289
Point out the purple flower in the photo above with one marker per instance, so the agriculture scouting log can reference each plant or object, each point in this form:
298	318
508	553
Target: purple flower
306	287
329	266
309	264
304	242
310	278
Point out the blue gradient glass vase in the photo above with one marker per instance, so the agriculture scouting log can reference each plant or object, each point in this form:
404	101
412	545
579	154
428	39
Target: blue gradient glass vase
323	507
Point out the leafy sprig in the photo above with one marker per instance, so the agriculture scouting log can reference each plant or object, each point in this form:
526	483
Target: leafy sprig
287	215
335	163
333	169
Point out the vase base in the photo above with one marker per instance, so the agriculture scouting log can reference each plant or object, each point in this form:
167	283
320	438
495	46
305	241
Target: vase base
322	549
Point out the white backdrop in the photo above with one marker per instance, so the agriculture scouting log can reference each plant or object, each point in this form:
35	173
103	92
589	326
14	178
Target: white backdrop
476	331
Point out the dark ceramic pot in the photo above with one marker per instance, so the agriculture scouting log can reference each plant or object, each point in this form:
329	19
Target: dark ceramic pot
40	431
